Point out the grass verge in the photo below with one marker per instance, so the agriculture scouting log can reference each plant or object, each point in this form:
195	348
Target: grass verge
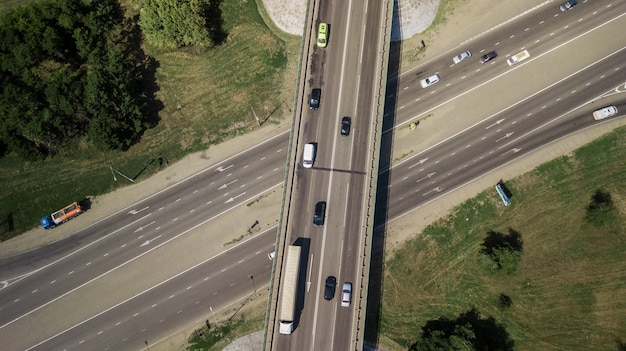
570	290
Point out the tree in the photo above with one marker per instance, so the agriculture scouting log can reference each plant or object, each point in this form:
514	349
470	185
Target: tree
501	253
70	69
467	332
601	210
176	23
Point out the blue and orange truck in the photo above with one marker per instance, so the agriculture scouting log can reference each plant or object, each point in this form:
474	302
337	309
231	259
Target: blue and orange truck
60	216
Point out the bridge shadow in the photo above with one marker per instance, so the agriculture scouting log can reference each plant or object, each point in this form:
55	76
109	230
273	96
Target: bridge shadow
377	259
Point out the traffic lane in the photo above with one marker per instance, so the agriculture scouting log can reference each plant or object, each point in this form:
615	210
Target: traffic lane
191	295
46	285
129	242
167	201
444	174
460	76
578	90
328	142
341	189
11	267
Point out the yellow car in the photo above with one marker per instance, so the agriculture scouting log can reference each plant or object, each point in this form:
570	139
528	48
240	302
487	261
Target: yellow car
322	35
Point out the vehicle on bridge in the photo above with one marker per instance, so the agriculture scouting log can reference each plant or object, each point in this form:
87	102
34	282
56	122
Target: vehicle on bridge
289	286
322	35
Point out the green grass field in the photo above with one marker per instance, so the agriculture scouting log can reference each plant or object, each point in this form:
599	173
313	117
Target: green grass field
570	290
207	97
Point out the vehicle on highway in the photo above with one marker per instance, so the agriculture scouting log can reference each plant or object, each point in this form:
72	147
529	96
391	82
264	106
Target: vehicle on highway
314	104
289	286
319	214
322	35
462	56
488	57
346	294
519	57
568	5
604	112
61	216
426	82
308	156
271	255
329	287
345	126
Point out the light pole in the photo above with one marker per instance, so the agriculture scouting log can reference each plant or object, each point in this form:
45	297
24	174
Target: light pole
213	314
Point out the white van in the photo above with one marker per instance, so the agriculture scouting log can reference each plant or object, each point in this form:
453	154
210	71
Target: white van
308	156
604	112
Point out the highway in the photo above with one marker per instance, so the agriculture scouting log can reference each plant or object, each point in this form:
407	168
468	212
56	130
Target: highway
93	290
349	72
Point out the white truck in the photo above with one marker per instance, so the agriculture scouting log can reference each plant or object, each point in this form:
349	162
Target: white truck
289	287
519	57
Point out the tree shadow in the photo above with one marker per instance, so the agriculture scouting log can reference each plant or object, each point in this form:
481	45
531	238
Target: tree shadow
621	346
214	22
7	227
484	334
148	67
497	240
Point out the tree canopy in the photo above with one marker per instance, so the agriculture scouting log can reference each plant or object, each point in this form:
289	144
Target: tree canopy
178	23
68	70
468	332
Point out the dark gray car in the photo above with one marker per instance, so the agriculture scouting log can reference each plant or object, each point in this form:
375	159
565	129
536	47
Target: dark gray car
345	126
314	104
568	5
320	213
488	57
329	287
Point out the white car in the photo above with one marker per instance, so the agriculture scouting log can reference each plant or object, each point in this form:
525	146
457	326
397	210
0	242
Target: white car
462	56
271	255
429	81
346	294
604	112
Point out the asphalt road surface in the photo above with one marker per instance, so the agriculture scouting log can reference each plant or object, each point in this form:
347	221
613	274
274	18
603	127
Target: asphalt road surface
136	276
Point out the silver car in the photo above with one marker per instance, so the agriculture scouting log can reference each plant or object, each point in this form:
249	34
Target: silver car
346	294
462	56
429	81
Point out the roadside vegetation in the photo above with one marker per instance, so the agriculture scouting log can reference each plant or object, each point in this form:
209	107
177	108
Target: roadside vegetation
547	272
203	94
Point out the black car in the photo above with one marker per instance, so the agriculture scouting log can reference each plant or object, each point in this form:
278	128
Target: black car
488	57
320	213
345	126
329	287
314	104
